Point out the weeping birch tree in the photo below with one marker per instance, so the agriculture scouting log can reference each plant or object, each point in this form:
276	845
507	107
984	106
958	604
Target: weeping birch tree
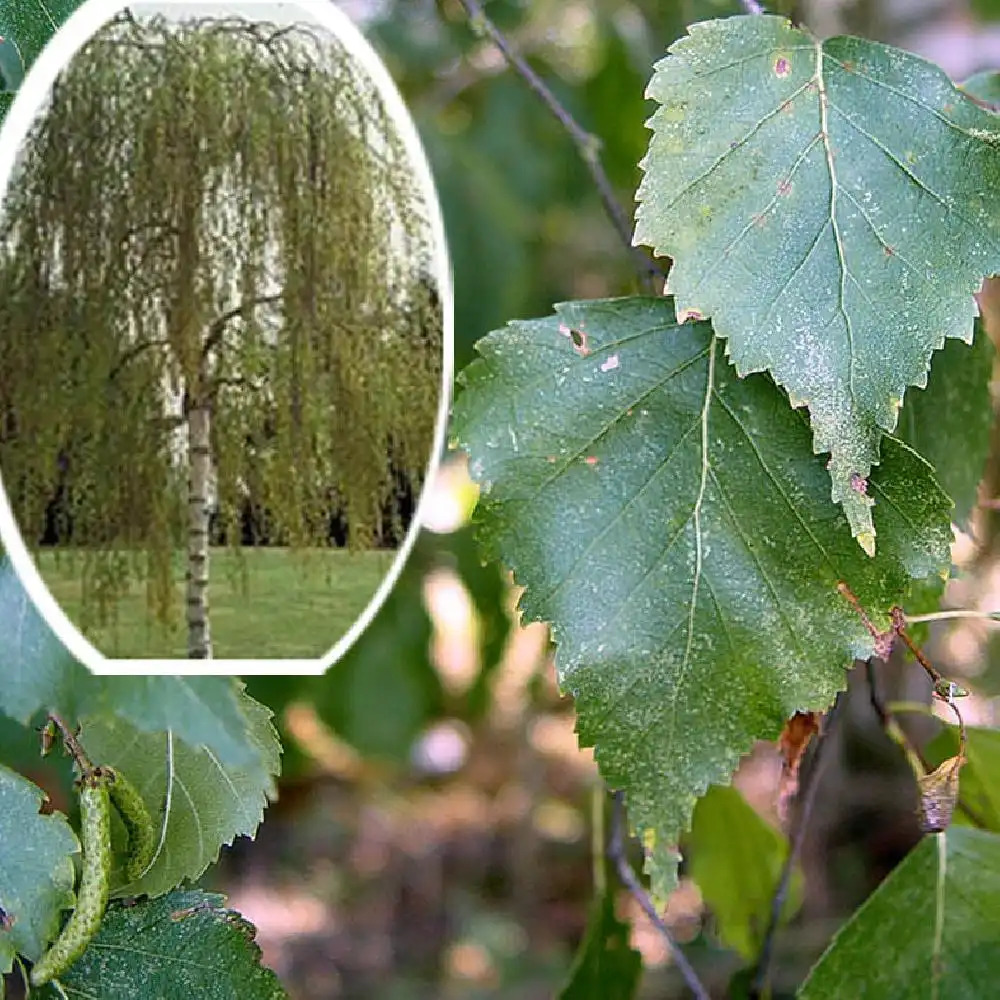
216	288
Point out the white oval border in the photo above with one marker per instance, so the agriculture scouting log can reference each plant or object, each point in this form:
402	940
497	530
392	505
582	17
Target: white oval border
78	28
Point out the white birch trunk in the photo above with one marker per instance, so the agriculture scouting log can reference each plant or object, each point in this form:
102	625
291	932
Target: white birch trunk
199	471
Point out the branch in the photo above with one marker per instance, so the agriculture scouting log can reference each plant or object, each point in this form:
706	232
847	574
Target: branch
217	328
71	743
132	354
896	733
237	382
758	986
616	853
587	145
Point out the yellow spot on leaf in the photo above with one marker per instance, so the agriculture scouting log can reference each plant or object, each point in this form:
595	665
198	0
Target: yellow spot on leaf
867	541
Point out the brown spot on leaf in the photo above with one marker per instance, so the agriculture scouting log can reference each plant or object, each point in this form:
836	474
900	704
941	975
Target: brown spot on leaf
684	315
591	460
759	219
888	250
782	66
848	66
859	484
577	337
784	188
795	738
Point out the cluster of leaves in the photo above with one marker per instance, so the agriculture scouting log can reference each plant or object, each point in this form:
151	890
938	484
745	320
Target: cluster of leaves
202	755
682	482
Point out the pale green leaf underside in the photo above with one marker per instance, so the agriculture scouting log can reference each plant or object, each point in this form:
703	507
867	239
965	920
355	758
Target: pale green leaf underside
831	208
672	522
197	802
931	931
36	869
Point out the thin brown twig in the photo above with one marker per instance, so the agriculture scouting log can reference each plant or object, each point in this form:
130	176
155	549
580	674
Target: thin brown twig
617	855
884	640
898	734
71	743
807	796
587	145
936	676
218	326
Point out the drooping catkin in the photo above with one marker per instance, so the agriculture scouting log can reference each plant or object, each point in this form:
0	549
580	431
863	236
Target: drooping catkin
95	881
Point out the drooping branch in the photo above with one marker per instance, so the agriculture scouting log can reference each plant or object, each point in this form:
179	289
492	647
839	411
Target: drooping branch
218	326
134	352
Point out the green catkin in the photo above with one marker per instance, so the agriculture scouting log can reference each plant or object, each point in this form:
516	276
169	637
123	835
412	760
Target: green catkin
95	883
138	824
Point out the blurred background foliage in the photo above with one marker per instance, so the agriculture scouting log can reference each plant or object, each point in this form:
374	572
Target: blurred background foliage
435	830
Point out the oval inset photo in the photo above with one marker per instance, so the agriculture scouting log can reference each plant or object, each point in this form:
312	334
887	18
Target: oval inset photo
225	336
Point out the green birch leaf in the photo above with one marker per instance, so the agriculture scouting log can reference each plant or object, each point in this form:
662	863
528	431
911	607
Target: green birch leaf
38	674
197	803
949	422
11	66
25	27
673	524
183	945
36	870
985	87
606	967
832	208
931	931
735	858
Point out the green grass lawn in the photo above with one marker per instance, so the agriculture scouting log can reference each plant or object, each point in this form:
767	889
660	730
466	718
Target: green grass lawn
295	605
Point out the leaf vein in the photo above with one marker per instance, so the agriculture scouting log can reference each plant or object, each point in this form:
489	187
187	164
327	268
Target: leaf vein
733	147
